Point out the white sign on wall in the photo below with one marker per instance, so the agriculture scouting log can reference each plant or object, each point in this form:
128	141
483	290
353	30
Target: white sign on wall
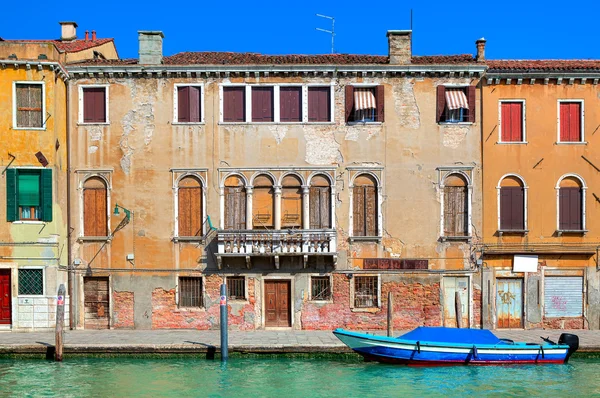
525	263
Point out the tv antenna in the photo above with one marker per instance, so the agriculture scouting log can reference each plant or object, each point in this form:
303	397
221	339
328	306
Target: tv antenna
331	32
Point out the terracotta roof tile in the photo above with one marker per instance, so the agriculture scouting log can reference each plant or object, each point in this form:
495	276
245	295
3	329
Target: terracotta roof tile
231	58
67	46
443	59
107	62
546	65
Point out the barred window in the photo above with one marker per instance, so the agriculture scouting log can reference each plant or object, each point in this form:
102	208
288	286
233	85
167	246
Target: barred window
236	288
365	291
31	282
320	288
190	292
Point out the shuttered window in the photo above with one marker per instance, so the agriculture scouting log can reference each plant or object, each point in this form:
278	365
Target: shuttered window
28	194
465	115
29	103
189	196
570	208
189	104
455	207
235	203
234	104
291	202
262	104
320	203
364	196
319	104
364	104
512	208
190	292
570	122
95	212
94	104
512	121
563	296
262	203
290	104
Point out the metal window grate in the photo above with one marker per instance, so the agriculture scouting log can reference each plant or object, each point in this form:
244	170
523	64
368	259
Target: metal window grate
365	291
190	292
236	288
31	281
320	288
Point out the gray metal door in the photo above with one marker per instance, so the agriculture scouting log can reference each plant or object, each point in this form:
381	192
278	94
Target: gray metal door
563	296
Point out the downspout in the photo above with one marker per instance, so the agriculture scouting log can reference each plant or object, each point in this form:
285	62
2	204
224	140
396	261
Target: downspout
69	262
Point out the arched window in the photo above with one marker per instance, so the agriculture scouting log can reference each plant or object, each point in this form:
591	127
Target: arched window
512	204
262	203
95	211
570	205
364	196
291	202
320	203
189	207
235	203
456	206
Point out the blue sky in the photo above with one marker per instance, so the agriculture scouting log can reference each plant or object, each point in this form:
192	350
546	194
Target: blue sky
514	29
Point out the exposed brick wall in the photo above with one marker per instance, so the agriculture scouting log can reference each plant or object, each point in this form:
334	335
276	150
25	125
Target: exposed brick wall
123	310
166	314
415	304
476	308
564	323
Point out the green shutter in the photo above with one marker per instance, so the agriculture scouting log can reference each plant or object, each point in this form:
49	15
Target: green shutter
46	194
11	195
29	189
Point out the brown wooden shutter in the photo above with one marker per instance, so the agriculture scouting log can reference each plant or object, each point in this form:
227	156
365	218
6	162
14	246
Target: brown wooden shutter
29	105
101	213
471	95
190	211
234	104
379	99
358	211
183	104
371	211
262	104
88	106
94	212
319	104
94	105
441	103
570	205
290	104
319	208
506	208
455	211
195	104
349	101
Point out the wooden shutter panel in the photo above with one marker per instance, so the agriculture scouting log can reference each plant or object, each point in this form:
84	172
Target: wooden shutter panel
575	208
575	122
89	212
371	211
518	208
46	194
564	215
183	104
570	205
358	211
516	122
455	211
379	99
195	114
234	104
505	209
506	117
440	103
471	90
101	213
11	195
230	207
349	101
314	208
196	211
88	105
183	216
325	211
262	104
289	104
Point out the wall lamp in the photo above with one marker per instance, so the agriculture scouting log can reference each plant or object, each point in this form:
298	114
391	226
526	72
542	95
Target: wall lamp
126	211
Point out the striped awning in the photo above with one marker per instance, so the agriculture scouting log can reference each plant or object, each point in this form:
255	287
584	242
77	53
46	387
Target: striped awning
456	99
363	99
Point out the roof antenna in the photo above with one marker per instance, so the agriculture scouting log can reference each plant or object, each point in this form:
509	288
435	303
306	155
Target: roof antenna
332	31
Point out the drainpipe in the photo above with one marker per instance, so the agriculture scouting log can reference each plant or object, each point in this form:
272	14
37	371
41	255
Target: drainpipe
69	260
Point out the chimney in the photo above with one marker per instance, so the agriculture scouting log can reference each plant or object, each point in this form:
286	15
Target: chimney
68	31
480	50
93	35
150	47
87	35
399	46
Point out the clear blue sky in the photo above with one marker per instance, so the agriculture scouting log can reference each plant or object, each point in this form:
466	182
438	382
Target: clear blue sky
518	29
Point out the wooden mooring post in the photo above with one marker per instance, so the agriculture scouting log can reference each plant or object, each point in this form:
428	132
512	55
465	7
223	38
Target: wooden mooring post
60	323
458	310
390	324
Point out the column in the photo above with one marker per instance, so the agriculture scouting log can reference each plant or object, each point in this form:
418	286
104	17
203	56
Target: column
305	207
249	207
277	215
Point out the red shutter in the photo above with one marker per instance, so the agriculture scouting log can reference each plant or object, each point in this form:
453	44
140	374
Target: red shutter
506	121
319	104
234	104
195	104
441	103
262	104
379	99
349	101
570	121
512	121
564	122
290	104
471	90
183	104
94	105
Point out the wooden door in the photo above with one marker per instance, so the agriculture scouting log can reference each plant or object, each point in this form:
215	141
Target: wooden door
509	302
96	307
277	303
5	297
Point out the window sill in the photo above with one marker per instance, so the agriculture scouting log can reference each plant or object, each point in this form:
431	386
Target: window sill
512	143
321	301
368	309
560	232
94	238
571	143
190	309
188	124
94	124
512	232
456	123
198	239
31	222
275	123
455	238
30	128
365	123
365	239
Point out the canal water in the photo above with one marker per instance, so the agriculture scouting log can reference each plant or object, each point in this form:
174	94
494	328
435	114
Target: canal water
186	376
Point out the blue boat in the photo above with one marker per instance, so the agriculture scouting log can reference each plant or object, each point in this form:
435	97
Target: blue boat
429	346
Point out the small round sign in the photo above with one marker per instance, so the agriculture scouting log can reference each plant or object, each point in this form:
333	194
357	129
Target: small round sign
223	300
60	300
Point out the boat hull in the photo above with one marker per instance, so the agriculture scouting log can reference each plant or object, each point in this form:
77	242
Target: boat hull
398	351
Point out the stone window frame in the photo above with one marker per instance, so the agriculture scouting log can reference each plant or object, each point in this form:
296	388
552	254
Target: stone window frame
178	292
14	105
467	174
523	103
311	276
276	102
80	88
525	201
82	176
581	126
44	289
377	173
352	293
245	299
584	188
175	121
177	175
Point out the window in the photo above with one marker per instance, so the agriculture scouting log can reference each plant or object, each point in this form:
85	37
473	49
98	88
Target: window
31	281
512	204
320	203
93	104
189	207
456	206
234	104
366	292
291	202
570	205
290	104
29	105
319	104
262	104
570	121
364	197
320	288
95	208
190	292
236	287
235	203
455	104
364	104
29	194
512	117
189	104
262	203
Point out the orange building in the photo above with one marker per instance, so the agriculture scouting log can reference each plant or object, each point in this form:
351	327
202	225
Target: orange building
541	208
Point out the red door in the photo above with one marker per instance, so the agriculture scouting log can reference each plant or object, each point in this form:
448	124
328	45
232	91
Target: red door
5	296
277	303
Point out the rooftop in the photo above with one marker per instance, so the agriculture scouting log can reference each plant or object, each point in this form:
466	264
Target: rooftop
72	46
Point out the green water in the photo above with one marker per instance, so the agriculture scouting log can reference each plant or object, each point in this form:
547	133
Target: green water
286	377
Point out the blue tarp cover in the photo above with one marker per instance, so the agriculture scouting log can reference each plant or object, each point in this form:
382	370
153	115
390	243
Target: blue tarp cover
451	335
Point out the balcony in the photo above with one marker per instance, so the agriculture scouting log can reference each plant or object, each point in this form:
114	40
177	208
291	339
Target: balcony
250	243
